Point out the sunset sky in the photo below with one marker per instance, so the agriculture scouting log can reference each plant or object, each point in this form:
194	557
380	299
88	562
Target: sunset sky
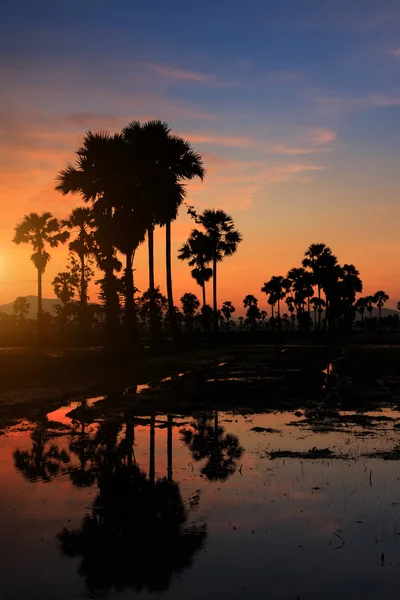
294	105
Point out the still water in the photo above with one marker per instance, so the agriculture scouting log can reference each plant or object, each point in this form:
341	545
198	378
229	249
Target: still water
197	507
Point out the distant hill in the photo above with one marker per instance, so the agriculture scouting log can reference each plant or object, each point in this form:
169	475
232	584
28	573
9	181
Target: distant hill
48	304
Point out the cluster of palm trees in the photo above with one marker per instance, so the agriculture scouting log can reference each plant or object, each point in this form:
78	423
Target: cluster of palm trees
322	286
132	182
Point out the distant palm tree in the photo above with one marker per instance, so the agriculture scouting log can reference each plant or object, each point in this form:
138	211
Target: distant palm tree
380	299
317	305
224	240
227	310
21	308
319	259
197	250
40	230
190	305
82	222
276	289
370	301
360	306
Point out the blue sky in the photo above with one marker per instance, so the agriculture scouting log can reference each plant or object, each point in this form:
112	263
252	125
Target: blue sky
295	106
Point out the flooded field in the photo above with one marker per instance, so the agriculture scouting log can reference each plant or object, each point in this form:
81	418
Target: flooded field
206	506
101	499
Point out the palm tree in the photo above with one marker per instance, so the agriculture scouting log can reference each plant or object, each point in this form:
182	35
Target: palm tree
100	178
40	230
360	307
276	289
165	161
64	285
319	259
317	305
82	222
370	301
380	298
224	240
290	303
253	312
190	305
21	307
197	251
227	310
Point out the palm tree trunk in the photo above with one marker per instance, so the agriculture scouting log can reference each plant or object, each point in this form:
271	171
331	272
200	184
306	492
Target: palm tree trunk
155	325
203	287
83	300
152	469
168	269
40	304
169	447
130	312
319	303
315	320
215	306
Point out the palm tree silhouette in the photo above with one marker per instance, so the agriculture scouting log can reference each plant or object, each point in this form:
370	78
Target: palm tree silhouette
224	240
227	310
319	259
39	231
164	162
21	308
100	178
380	298
82	222
370	301
253	312
360	306
318	306
276	289
190	305
197	250
64	285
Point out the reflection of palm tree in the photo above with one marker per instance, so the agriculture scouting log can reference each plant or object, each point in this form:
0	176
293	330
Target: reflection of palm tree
137	533
41	463
208	441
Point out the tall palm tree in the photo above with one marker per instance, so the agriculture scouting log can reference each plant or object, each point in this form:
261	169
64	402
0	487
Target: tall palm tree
64	285
129	234
164	161
370	300
81	221
253	312
224	240
40	231
319	259
380	299
197	250
317	306
100	177
190	305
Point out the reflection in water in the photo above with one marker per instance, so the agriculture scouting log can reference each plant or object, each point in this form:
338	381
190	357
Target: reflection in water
208	441
41	463
137	533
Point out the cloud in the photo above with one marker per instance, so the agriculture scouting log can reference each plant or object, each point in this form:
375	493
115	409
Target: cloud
368	102
396	52
177	73
317	138
218	140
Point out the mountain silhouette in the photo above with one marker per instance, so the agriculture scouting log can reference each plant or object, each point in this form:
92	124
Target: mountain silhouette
48	304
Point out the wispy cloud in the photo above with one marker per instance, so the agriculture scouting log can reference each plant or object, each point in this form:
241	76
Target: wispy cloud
315	141
349	102
218	139
396	52
177	73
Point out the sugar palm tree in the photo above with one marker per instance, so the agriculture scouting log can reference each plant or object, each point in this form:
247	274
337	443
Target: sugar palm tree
190	305
360	306
164	161
370	301
276	289
317	306
40	231
380	299
319	259
64	285
224	240
21	308
99	177
227	310
81	222
197	250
